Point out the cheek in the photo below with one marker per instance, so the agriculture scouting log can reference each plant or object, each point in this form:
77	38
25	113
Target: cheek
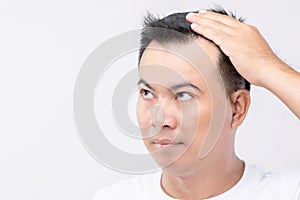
204	115
190	116
142	113
195	122
197	114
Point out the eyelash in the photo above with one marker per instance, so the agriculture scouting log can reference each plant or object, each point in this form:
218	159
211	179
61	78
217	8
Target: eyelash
144	90
180	93
176	95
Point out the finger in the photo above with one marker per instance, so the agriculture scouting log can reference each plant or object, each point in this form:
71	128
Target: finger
216	35
205	22
228	20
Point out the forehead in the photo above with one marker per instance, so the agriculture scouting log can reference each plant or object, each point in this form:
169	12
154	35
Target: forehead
198	47
194	62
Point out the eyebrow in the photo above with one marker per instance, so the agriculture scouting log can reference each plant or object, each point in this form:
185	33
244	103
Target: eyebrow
185	84
172	88
142	81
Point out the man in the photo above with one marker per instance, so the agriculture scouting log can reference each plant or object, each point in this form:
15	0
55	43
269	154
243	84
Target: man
191	102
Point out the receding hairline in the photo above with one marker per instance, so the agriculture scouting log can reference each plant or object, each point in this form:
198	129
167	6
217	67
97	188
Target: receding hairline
210	48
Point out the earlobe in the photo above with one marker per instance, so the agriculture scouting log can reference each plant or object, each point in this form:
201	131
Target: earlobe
240	102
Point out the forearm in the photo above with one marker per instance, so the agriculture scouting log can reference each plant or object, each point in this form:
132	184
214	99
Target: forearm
284	82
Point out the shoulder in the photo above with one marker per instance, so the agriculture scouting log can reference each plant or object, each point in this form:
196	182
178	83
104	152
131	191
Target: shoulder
280	185
286	177
138	187
260	185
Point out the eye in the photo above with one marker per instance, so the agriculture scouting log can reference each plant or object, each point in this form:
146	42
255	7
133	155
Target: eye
146	94
184	96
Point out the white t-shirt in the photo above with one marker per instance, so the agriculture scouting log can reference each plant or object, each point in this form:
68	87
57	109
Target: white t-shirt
255	184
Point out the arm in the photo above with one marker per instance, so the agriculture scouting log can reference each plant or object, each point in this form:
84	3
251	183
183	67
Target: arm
254	59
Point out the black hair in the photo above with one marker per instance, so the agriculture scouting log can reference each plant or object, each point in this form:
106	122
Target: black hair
176	29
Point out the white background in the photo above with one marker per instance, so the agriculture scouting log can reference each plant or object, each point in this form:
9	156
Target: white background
42	47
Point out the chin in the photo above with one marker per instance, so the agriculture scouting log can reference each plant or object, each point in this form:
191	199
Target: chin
178	165
179	169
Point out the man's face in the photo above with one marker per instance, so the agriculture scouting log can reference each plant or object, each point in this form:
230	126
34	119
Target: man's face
175	106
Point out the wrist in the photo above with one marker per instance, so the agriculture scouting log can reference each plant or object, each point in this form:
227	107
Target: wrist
272	72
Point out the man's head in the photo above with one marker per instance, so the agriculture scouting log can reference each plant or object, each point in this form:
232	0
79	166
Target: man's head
183	105
159	30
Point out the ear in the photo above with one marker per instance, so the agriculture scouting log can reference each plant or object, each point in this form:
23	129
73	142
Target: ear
240	102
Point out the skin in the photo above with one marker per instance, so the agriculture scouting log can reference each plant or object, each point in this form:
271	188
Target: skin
174	122
254	60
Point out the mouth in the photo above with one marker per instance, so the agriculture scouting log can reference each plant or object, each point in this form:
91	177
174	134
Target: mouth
165	143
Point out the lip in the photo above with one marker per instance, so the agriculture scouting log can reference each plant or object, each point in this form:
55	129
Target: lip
165	143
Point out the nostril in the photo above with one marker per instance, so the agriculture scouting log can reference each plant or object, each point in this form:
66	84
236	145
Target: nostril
166	126
170	123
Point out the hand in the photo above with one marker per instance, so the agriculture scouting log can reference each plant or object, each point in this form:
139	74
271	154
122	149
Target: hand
251	55
242	43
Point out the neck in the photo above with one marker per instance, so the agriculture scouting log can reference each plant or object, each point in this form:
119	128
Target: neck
205	182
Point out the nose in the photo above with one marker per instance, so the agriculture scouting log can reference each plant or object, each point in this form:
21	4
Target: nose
164	115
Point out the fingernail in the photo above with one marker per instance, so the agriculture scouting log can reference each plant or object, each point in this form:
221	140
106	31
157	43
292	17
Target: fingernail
193	25
202	11
189	15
